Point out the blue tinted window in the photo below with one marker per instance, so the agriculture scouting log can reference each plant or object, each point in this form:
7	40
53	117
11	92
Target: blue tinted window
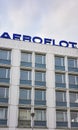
59	61
60	78
40	76
40	95
25	75
72	62
40	59
5	54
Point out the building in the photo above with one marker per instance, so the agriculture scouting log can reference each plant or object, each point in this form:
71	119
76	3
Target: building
40	79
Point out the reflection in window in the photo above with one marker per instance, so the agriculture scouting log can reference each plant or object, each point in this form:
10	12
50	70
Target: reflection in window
74	116
24	114
40	115
73	97
61	116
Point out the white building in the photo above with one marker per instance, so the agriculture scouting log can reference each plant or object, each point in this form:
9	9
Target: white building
40	79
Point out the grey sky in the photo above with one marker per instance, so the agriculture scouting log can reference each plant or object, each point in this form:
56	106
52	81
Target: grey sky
56	19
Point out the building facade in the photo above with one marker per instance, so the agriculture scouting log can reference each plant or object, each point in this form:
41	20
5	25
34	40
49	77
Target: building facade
41	80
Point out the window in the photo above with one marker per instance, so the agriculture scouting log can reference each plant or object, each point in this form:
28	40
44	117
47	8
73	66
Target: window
25	94
40	58
60	78
73	97
5	56
60	96
25	114
74	116
25	77
4	74
59	61
3	92
24	118
3	116
40	95
73	79
26	59
40	78
40	115
61	116
72	62
3	113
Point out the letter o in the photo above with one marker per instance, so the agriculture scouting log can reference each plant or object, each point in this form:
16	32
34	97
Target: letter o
37	39
63	43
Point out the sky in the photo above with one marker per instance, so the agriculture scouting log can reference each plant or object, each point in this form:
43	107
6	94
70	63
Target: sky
57	19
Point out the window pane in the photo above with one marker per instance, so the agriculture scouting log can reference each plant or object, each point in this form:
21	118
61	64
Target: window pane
59	61
40	59
73	79
3	113
24	114
74	116
5	54
40	95
25	94
4	73
74	97
3	92
60	78
40	115
61	96
61	116
72	62
26	57
40	76
25	75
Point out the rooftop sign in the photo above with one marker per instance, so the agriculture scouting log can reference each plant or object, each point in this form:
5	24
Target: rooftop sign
36	39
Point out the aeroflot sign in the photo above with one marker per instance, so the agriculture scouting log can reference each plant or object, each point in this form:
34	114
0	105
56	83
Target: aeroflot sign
36	39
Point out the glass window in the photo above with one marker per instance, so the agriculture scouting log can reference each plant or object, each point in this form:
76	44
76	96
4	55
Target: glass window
40	59
3	92
73	79
60	78
40	95
61	116
25	94
74	116
40	115
59	61
25	75
60	96
4	73
24	114
40	76
3	113
72	62
73	97
5	54
26	57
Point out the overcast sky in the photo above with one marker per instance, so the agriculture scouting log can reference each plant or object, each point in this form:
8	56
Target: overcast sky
56	19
